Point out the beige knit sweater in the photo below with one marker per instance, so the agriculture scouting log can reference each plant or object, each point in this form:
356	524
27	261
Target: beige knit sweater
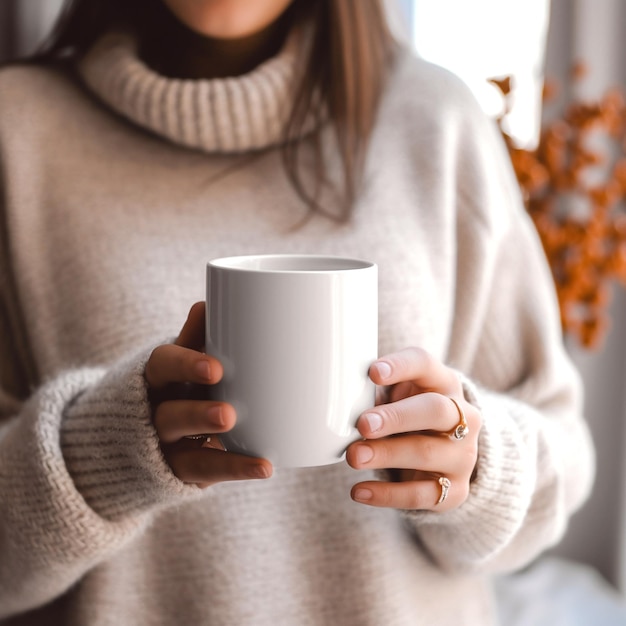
113	197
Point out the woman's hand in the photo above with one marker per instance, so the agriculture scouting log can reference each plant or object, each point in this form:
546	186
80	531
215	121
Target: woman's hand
412	435
171	372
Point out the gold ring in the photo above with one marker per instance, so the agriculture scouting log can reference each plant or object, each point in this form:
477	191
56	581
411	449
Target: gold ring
461	429
205	438
445	487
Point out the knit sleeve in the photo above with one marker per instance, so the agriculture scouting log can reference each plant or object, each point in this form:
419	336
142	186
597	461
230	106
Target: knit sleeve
81	471
81	474
536	460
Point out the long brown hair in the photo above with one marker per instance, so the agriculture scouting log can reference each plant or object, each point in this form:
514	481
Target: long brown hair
347	62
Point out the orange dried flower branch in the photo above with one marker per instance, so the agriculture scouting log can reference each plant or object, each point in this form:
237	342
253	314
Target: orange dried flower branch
574	187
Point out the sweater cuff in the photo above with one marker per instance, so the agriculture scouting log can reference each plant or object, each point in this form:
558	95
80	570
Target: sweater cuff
468	537
111	447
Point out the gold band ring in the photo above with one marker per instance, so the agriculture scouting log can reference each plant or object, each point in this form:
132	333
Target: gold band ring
204	438
445	487
461	429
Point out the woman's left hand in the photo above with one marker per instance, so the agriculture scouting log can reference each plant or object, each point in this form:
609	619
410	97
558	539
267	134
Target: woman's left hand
412	434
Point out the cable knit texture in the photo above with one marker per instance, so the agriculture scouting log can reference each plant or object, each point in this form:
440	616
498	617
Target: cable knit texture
117	187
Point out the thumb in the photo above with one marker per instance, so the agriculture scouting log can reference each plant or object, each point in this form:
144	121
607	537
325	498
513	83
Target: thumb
192	334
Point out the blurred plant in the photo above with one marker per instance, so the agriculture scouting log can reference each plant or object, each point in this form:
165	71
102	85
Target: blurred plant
574	187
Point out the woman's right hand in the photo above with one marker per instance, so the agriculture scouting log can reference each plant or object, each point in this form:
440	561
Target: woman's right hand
182	365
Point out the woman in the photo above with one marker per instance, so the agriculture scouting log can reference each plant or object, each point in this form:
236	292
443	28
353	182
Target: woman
148	137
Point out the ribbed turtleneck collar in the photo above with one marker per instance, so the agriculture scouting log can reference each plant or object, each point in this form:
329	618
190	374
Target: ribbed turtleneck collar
225	115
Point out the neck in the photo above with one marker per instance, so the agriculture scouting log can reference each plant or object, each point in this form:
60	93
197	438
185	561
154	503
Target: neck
174	50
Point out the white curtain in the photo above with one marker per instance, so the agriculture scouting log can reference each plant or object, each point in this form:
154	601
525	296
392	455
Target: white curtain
33	21
487	39
24	23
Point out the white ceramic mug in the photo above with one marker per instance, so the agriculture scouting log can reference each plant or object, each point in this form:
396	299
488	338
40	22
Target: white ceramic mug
296	335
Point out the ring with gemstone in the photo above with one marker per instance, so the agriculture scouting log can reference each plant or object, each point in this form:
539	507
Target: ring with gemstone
461	429
445	487
205	438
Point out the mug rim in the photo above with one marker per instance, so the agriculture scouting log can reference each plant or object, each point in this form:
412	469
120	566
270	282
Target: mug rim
253	263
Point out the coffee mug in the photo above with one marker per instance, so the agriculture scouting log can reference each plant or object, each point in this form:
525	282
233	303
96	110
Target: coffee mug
296	335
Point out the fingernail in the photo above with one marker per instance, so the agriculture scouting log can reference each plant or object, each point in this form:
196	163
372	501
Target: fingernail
203	370
258	471
364	454
383	369
363	495
215	416
374	421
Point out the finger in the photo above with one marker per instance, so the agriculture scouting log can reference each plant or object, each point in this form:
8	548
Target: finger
179	418
426	453
403	390
414	495
170	363
418	366
192	334
392	393
422	412
207	466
